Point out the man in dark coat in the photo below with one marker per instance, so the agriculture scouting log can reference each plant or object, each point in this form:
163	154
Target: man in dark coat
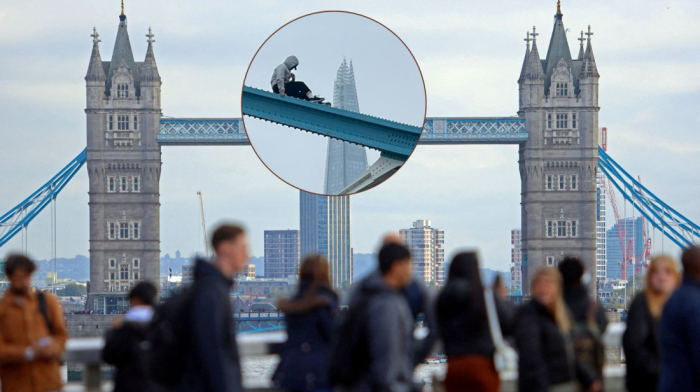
680	330
124	345
213	364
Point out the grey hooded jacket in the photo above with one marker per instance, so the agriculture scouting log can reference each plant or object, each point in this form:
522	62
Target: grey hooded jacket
390	331
282	73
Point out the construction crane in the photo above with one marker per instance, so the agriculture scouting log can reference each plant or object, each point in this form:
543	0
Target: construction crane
204	225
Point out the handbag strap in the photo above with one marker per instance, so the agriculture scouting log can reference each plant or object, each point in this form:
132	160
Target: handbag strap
492	315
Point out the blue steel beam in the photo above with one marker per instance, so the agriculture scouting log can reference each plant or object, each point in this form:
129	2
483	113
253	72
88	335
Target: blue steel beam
202	131
19	217
393	139
675	226
467	130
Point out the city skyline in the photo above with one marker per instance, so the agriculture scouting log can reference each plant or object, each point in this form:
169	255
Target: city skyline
633	112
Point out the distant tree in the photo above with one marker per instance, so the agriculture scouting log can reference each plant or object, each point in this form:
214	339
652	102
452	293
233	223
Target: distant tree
72	290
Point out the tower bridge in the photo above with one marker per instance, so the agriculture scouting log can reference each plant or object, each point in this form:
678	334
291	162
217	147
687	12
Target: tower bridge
555	126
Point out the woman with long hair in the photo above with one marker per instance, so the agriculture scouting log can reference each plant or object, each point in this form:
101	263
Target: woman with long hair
543	338
641	338
464	329
309	316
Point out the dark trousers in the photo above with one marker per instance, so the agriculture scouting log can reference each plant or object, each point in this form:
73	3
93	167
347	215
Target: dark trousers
294	89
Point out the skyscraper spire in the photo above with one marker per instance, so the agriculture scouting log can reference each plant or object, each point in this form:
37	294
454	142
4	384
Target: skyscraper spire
95	70
589	68
558	7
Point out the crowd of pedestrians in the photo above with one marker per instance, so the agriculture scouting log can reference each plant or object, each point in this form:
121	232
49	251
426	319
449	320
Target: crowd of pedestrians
188	343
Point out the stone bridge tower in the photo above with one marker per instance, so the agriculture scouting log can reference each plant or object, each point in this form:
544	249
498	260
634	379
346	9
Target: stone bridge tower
559	162
123	162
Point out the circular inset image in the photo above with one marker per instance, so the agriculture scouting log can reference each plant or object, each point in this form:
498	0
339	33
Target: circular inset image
333	103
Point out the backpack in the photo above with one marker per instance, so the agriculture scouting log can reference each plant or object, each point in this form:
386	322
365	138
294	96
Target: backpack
588	342
350	357
44	310
168	338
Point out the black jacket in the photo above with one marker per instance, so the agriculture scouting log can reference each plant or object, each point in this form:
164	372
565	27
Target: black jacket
213	364
124	348
421	302
579	303
546	355
305	355
463	323
641	345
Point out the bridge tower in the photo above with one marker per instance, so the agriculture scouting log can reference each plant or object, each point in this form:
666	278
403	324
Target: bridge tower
124	162
558	164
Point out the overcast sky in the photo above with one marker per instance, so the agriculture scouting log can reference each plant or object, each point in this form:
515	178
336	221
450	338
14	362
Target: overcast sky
388	81
470	54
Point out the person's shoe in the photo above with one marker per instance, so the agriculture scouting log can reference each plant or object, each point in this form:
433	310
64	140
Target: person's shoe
326	103
316	98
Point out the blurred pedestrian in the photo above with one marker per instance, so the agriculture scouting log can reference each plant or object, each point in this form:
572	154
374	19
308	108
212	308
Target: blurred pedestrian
421	301
641	338
547	362
679	330
374	348
32	332
309	318
193	336
464	328
125	344
589	317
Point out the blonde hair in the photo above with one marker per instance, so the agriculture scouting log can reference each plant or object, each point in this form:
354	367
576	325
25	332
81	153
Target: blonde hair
558	309
656	300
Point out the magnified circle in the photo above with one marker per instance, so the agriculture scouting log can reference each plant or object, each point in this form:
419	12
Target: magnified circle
333	103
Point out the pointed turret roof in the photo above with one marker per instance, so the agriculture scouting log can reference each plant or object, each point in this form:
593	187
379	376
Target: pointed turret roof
523	69
558	47
534	67
149	69
95	70
122	51
589	68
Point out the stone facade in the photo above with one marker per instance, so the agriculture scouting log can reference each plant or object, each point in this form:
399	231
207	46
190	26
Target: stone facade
559	162
124	163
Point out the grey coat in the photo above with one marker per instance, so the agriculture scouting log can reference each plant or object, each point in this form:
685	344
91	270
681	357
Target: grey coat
282	73
390	332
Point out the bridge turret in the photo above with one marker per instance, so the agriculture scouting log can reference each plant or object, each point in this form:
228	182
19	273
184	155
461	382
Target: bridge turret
150	78
588	78
95	78
531	83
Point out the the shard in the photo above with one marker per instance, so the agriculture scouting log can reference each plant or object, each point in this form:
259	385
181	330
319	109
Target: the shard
345	162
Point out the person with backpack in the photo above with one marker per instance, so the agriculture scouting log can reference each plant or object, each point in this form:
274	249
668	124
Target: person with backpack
192	335
589	318
32	332
543	327
124	345
641	338
374	346
464	328
309	317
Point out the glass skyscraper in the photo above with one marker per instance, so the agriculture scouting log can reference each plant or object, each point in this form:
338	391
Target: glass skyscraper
324	221
345	162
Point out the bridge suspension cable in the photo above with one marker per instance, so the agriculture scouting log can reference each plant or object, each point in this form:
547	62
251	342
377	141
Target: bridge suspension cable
18	218
672	224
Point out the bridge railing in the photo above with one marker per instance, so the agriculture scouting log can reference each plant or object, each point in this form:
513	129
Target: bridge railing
88	352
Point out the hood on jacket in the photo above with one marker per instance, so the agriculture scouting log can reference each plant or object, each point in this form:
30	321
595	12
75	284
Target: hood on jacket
204	270
291	62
